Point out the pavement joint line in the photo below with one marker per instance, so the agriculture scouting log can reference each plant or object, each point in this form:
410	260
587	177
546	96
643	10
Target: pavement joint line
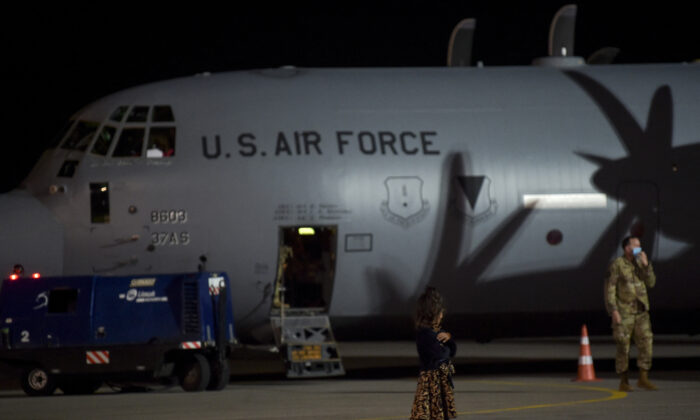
614	395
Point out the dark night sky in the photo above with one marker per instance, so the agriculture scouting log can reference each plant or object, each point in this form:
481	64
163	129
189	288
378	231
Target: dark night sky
56	61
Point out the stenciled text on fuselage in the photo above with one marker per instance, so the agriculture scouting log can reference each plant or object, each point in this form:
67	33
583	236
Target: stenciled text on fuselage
312	143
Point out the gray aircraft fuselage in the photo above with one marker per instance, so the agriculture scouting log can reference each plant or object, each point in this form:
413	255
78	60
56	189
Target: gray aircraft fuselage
508	188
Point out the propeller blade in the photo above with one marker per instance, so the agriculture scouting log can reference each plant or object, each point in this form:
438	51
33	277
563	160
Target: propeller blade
561	32
459	50
605	55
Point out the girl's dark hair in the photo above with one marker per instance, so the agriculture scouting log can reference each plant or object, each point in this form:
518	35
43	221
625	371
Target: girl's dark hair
430	304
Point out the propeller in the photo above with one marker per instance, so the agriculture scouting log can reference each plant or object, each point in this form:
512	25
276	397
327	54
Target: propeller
561	32
459	50
605	55
560	48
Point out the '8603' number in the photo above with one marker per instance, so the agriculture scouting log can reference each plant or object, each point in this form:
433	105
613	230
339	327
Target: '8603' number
169	216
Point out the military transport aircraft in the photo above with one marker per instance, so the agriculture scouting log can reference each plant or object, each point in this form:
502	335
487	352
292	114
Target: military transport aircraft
508	188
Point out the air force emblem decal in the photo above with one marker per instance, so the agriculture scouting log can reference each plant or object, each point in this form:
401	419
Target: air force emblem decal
404	203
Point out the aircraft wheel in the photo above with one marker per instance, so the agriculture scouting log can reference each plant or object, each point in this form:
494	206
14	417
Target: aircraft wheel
194	373
37	381
220	375
84	387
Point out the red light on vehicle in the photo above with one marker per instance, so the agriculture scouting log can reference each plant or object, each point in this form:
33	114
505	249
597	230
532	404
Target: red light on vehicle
14	276
36	275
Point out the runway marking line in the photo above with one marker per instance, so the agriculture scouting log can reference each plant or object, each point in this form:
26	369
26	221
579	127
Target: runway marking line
614	395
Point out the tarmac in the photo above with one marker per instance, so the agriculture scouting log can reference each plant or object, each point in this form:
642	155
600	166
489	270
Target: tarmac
514	379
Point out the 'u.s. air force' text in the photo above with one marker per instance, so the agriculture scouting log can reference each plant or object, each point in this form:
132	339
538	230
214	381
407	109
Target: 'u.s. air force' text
309	143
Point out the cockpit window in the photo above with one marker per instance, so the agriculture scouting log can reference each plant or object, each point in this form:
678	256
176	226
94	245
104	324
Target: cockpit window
80	137
130	143
138	114
163	113
128	126
62	134
118	114
104	140
68	168
161	142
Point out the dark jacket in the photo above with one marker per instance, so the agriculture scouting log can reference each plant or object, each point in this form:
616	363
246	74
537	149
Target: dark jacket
431	352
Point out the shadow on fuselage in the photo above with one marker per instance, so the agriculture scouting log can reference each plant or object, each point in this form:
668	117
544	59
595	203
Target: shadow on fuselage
672	172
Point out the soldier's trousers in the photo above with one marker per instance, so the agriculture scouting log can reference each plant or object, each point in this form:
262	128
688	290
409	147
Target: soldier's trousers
635	326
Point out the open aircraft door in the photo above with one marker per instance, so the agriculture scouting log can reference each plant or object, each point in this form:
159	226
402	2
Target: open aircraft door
303	289
306	267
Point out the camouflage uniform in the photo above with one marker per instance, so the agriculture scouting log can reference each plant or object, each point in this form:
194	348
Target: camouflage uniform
626	292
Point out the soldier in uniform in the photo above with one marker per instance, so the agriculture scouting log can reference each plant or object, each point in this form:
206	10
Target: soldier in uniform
627	302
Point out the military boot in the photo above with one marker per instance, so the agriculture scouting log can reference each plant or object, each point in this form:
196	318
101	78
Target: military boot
643	381
624	383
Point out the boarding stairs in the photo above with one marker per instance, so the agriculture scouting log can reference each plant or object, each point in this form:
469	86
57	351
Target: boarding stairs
307	344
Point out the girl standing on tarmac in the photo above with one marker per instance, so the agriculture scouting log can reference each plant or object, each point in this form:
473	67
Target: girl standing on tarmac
434	398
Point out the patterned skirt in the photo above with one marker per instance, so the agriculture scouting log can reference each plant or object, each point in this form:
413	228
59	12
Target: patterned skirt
435	399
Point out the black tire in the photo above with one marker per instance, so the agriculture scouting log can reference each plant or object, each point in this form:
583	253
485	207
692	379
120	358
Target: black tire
194	373
37	381
80	387
220	375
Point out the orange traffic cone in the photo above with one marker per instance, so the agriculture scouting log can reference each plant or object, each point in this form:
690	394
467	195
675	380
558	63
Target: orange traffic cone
586	373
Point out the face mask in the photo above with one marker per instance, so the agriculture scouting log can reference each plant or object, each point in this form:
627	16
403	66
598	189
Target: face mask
636	251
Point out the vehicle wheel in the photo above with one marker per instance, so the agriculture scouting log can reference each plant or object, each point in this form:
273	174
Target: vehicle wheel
78	387
220	375
37	381
194	373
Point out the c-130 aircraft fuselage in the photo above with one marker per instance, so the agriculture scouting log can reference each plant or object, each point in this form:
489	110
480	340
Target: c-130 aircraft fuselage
507	188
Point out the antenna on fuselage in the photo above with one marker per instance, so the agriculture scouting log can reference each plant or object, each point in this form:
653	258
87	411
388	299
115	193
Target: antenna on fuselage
459	50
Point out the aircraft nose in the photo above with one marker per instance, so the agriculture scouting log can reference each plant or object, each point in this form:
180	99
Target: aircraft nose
29	235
